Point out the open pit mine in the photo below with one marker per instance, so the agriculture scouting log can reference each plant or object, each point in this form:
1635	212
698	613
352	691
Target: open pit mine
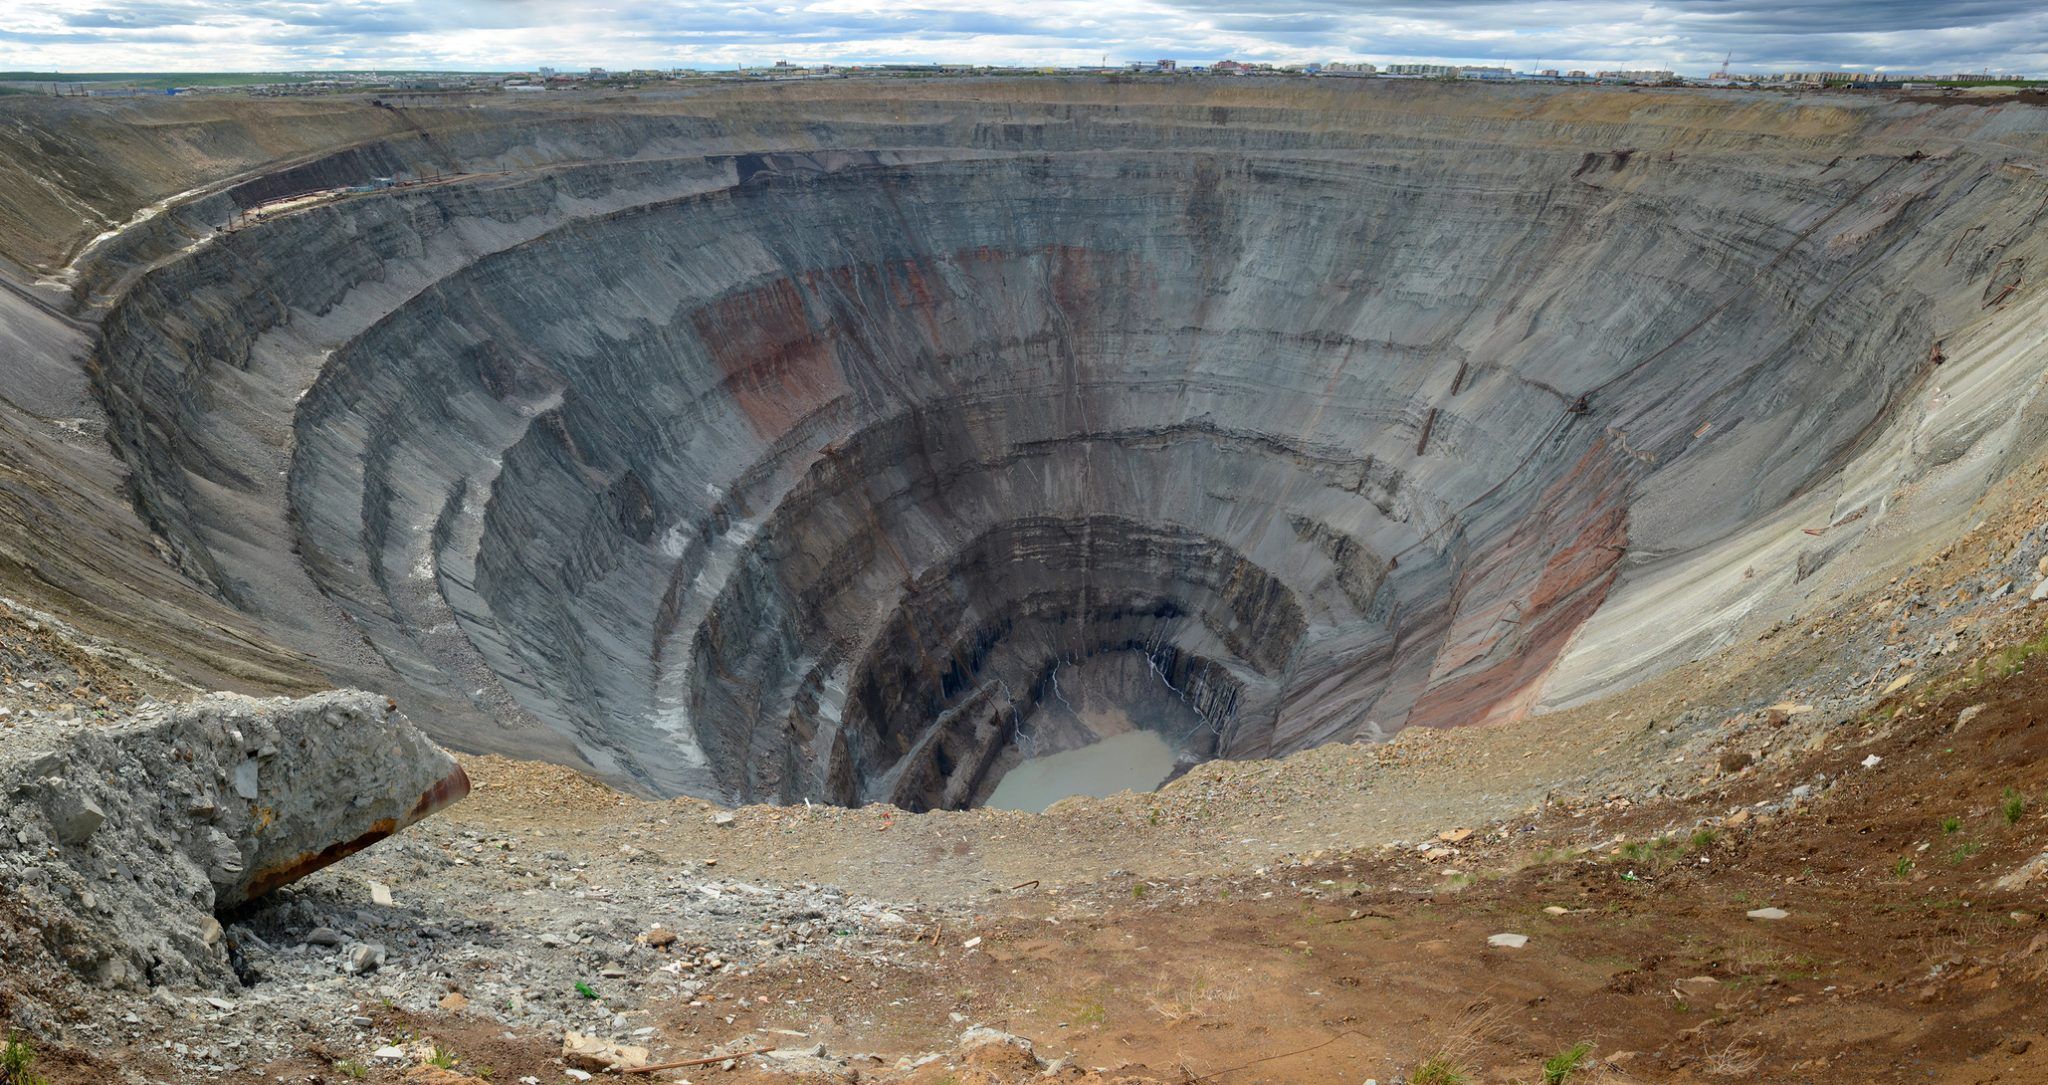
859	442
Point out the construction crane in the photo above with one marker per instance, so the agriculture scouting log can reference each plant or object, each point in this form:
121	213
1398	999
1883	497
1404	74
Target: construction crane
1723	73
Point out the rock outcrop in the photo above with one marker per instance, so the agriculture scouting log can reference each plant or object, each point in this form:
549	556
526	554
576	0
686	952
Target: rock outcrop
126	839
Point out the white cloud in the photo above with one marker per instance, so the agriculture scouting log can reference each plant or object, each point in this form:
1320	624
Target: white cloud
241	35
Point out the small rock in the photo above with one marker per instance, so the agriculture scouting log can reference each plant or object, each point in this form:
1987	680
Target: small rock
1556	910
724	818
1768	913
660	937
245	779
380	894
1968	714
2040	591
1508	941
454	1002
996	1050
1871	762
577	1075
586	1052
389	1054
971	942
323	936
364	958
74	818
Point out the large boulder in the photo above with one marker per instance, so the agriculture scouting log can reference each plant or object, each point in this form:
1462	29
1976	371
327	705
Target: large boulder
125	838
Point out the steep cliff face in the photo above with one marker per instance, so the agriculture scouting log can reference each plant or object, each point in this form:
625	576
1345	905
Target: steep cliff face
785	446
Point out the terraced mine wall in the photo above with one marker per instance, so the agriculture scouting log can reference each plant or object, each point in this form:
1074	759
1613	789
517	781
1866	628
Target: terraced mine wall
786	443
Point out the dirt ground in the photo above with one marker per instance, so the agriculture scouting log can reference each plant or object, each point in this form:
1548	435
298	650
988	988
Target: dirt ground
1899	958
1348	970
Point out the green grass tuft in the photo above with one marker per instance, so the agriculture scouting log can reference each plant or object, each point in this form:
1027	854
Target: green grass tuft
1438	1070
1561	1065
18	1061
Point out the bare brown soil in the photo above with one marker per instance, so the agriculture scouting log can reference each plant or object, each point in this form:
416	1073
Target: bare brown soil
1899	961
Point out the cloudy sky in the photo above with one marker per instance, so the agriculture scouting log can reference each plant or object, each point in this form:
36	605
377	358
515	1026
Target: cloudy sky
1686	35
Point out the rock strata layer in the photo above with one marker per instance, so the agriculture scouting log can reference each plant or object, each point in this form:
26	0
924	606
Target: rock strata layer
778	446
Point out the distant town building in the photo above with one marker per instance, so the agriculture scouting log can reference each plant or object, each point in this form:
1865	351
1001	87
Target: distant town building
599	73
1230	67
1164	65
1423	71
547	73
1486	73
1657	75
1348	67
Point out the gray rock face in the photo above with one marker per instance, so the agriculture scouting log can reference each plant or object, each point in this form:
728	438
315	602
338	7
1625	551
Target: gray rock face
125	840
787	450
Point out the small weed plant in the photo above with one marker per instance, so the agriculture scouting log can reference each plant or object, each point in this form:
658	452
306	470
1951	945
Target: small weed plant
1562	1065
1438	1070
18	1061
